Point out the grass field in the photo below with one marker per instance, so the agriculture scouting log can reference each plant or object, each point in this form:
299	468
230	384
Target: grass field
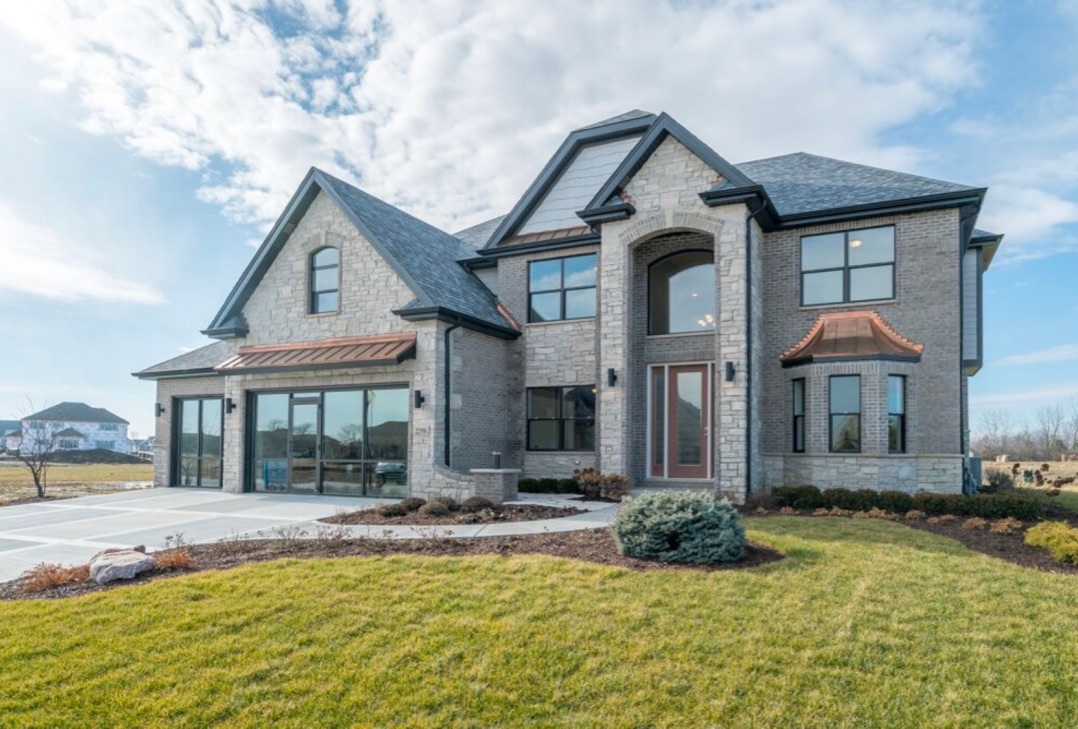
63	480
866	623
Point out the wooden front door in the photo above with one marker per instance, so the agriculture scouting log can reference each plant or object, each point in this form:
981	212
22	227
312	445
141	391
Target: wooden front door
680	425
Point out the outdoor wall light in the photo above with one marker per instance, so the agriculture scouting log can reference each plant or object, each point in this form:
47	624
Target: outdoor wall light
229	406
418	399
158	410
611	377
729	371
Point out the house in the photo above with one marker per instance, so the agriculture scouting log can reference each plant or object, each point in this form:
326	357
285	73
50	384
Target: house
72	426
646	308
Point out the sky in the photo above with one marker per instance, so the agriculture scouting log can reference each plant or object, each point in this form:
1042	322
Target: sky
148	145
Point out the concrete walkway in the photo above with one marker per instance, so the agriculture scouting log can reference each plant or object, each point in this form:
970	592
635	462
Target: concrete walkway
73	530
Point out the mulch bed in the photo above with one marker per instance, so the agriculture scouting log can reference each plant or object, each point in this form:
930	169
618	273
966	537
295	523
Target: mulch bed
36	500
498	514
595	545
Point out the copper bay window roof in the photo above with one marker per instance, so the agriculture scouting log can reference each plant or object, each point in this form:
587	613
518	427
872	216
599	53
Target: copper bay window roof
385	349
851	335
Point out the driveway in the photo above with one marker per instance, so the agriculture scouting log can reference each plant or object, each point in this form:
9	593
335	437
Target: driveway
73	530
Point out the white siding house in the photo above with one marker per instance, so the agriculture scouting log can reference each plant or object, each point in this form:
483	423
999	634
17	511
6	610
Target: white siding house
76	427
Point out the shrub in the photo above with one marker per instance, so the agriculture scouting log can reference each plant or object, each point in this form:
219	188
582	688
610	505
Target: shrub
1007	525
975	522
1044	468
568	486
861	500
412	503
758	500
595	485
915	514
548	485
686	527
1053	492
392	510
942	519
47	576
997	506
897	501
473	504
936	504
174	559
999	480
447	501
1058	538
799	497
434	508
789	511
528	486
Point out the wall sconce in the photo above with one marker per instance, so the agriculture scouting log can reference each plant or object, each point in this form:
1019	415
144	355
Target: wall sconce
729	371
418	399
229	406
611	377
158	410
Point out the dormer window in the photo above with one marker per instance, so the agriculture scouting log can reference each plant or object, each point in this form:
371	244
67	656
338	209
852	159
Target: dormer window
325	281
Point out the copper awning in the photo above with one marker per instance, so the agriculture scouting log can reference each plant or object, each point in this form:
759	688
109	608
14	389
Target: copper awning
385	349
851	335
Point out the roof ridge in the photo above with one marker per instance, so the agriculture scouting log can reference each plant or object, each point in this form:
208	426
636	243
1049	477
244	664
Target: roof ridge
862	165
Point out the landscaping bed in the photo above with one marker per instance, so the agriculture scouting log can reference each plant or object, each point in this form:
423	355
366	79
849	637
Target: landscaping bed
593	545
494	514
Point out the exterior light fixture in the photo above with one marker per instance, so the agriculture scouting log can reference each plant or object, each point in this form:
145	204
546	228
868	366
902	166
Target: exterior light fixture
229	406
158	410
611	377
729	371
418	399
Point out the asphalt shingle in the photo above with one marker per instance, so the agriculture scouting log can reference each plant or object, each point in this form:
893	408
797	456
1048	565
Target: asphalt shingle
201	359
76	412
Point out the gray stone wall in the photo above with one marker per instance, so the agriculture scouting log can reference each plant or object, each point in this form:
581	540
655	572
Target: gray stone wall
909	473
480	393
556	464
167	390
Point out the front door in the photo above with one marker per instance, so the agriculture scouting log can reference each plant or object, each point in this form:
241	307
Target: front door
304	442
680	422
197	448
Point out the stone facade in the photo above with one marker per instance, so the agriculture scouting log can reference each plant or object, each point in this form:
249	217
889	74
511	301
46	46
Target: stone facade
909	473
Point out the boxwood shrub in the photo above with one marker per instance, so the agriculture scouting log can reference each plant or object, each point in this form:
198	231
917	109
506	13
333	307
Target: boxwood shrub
860	500
897	501
686	527
568	486
528	485
1060	539
798	497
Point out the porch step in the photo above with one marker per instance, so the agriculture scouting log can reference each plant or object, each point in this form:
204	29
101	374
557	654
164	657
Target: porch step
645	487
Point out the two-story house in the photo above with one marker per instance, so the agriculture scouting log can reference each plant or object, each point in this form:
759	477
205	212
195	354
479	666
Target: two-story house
71	426
646	307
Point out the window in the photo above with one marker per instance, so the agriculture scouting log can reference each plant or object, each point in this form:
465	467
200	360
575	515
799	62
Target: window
325	280
198	451
857	265
106	445
896	414
69	444
681	293
845	402
107	426
561	288
561	418
799	415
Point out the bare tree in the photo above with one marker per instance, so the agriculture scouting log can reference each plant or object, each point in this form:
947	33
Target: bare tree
1072	425
1050	419
37	444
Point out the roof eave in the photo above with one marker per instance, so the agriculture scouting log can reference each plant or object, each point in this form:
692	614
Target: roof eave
545	245
441	313
176	374
767	216
973	196
607	214
825	359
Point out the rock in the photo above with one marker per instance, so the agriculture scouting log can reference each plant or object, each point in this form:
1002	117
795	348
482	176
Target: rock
119	564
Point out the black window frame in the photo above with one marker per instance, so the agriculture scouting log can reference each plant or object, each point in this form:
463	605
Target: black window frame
312	292
903	445
651	300
560	418
562	290
845	268
177	439
831	414
798	418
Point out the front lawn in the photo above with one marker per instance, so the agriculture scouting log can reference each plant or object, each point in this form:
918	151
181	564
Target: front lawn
865	623
16	483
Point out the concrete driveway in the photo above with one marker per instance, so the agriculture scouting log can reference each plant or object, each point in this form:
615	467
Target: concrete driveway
73	530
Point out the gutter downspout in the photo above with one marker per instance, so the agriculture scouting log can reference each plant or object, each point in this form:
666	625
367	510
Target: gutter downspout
748	341
448	389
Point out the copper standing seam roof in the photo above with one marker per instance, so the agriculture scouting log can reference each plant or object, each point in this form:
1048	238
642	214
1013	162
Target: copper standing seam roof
386	349
545	235
849	335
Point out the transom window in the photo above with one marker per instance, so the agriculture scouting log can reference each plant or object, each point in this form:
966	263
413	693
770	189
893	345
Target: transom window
681	293
845	406
561	288
896	414
561	418
325	280
856	265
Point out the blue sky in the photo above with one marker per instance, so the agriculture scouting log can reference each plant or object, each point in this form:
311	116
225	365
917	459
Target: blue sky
148	144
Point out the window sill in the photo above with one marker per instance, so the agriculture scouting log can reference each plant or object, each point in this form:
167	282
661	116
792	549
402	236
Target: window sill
323	314
682	335
848	305
559	321
559	453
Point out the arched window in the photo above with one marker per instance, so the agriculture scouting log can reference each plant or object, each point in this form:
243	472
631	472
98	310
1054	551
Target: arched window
681	293
325	280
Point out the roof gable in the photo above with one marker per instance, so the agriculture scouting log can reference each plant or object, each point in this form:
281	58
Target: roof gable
76	412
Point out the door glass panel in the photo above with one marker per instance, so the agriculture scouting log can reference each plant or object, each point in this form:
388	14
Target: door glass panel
189	428
658	421
304	446
387	424
342	438
689	436
211	472
188	475
271	442
345	479
211	428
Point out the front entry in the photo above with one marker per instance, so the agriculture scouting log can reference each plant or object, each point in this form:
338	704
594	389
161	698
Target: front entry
679	421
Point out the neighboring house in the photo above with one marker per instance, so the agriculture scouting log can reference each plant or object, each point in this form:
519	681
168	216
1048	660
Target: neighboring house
646	308
73	426
8	428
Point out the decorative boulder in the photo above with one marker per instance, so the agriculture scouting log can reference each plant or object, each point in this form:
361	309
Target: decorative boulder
119	564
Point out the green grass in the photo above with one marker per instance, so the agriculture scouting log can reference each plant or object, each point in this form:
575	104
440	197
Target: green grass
867	623
1068	497
17	483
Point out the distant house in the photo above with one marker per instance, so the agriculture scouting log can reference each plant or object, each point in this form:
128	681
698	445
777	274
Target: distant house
8	428
75	426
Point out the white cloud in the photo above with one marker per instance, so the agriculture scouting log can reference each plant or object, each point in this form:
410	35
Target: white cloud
34	260
1062	353
1035	396
1034	220
449	110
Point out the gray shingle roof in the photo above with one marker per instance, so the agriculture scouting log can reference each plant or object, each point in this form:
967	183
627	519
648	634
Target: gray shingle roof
806	183
633	114
76	412
69	433
477	235
6	426
203	359
426	256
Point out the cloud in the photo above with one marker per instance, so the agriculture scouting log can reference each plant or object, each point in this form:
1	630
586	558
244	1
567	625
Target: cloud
1062	353
1035	396
34	260
449	110
1036	222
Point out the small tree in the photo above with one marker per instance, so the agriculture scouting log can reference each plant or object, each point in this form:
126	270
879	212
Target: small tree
36	448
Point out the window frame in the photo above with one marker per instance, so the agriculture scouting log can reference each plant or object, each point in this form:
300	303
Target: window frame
562	290
799	420
312	293
903	445
831	413
662	259
846	267
560	418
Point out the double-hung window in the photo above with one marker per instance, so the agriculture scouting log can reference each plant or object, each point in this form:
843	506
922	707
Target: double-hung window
561	288
856	265
799	415
896	414
561	418
845	413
